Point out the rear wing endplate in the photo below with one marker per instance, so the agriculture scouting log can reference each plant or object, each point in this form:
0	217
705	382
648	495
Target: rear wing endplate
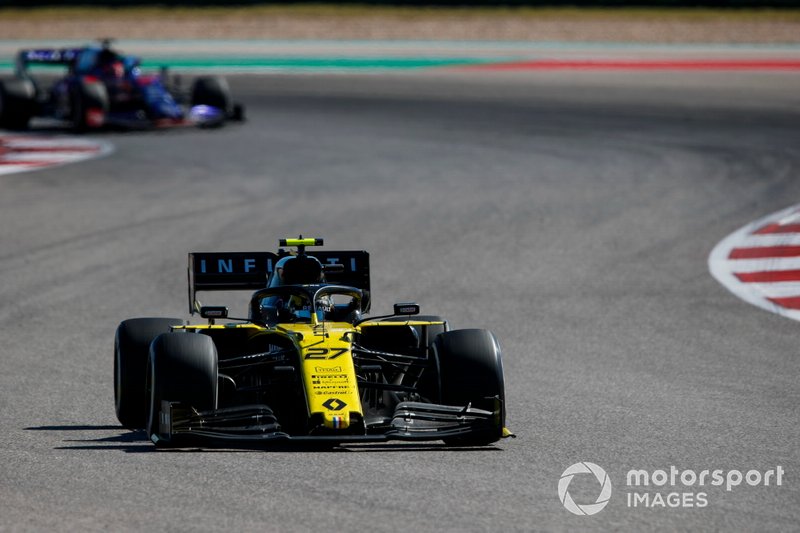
235	271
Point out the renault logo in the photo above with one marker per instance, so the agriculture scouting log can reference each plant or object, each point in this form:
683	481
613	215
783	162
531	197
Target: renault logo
335	404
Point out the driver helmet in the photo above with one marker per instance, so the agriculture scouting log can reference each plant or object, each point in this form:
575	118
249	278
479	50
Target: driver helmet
297	270
117	69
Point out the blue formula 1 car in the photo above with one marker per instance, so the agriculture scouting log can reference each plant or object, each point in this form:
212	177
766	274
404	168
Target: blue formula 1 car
105	88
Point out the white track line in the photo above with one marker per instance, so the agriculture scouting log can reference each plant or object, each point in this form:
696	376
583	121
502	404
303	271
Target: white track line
770	239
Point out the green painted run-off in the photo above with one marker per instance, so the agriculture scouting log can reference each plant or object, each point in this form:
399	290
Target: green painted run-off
314	63
301	63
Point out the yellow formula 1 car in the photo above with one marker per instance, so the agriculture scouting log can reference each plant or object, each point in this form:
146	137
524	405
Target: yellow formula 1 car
306	364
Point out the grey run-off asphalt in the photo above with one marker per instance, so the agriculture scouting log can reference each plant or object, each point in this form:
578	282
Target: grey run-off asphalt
571	213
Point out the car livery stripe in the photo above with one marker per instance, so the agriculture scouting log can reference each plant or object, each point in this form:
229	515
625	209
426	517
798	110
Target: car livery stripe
760	262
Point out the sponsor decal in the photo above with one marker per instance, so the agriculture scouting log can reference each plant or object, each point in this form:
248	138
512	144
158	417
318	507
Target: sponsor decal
327	370
334	404
324	353
216	264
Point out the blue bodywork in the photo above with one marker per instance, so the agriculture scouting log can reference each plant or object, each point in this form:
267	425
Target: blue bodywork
134	99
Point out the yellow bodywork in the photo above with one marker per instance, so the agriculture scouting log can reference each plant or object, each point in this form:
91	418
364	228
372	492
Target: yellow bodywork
326	362
301	242
329	377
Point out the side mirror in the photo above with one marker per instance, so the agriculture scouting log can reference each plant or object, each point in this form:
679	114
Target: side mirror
212	312
406	308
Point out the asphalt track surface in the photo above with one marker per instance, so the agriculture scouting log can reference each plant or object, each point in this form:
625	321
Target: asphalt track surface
570	213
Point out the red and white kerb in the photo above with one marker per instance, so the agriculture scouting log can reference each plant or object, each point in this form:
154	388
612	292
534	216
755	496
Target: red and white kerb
20	153
760	263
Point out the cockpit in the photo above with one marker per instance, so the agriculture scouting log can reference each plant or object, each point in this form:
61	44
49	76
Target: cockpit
306	304
104	62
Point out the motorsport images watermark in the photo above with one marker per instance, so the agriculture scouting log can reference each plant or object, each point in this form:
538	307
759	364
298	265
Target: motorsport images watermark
670	488
584	468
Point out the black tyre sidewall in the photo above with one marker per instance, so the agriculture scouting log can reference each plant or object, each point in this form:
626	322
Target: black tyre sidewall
131	350
182	367
17	103
212	91
87	95
470	371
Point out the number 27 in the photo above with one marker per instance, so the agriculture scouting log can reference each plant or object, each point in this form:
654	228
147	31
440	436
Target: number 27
324	353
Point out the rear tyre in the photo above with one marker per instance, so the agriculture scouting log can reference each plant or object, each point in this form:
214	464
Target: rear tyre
471	372
90	105
17	103
131	350
212	91
182	368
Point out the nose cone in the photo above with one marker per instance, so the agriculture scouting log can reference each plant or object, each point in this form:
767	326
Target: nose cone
206	115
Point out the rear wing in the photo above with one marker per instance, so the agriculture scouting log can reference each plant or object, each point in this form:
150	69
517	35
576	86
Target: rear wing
235	271
45	56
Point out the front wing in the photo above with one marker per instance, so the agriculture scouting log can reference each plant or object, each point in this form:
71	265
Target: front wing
411	421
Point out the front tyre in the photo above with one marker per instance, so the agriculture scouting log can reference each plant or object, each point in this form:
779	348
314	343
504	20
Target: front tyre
470	370
182	368
131	350
212	91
